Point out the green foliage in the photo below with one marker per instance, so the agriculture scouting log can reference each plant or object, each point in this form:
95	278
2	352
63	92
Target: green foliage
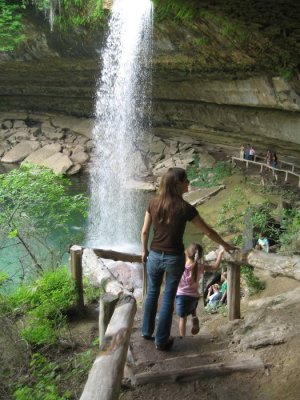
286	73
74	13
44	304
227	27
44	375
201	41
178	9
3	278
231	214
91	292
207	177
253	283
290	237
35	207
10	25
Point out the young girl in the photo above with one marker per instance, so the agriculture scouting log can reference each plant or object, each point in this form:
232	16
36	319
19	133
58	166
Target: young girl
187	293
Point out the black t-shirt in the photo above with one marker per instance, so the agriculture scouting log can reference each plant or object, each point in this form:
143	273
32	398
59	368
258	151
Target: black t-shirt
168	237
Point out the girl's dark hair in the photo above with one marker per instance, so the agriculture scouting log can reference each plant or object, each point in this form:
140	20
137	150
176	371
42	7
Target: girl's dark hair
170	199
195	252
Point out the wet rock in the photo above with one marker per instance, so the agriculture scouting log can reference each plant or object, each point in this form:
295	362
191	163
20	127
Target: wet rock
74	169
19	124
79	157
59	163
40	155
20	151
7	124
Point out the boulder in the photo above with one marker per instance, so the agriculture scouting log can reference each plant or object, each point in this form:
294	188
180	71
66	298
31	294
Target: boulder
58	162
35	131
74	169
79	157
206	160
19	124
157	146
20	135
83	126
7	124
52	133
40	155
20	151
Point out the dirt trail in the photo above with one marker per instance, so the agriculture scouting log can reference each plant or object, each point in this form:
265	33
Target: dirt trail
216	342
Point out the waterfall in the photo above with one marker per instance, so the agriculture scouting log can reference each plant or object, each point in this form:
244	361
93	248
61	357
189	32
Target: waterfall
122	120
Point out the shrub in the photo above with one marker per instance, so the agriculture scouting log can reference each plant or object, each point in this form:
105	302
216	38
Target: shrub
205	176
10	25
43	385
253	283
44	305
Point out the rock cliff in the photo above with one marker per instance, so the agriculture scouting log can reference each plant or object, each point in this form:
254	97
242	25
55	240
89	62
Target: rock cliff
222	78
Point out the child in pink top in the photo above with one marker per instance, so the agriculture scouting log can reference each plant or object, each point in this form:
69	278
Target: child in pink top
187	293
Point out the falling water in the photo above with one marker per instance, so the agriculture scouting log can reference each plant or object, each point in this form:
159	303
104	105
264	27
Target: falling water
122	115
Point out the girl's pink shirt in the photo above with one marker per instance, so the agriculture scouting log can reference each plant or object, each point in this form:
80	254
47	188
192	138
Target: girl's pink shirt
187	286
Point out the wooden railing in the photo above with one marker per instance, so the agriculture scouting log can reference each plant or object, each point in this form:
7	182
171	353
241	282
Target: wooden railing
282	163
263	165
118	308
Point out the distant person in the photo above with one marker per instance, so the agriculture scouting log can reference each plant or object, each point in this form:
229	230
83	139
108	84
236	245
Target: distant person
268	159
214	295
188	290
247	152
217	296
263	243
274	160
223	289
168	213
242	151
252	153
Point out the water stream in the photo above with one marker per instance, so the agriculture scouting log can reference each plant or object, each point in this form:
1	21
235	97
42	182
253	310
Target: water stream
122	121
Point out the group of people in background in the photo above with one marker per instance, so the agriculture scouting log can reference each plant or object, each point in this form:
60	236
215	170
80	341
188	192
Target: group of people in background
271	159
248	153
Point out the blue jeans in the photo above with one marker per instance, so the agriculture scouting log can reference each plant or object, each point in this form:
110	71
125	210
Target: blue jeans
157	265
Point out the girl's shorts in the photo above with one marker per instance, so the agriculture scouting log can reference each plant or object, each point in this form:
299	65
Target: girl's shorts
185	305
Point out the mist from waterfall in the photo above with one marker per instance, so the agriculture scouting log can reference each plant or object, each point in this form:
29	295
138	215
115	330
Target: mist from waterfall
122	120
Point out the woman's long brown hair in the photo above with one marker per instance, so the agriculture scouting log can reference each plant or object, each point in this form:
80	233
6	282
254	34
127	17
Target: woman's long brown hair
170	199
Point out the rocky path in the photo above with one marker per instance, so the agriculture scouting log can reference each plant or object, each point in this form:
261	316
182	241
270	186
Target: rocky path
268	333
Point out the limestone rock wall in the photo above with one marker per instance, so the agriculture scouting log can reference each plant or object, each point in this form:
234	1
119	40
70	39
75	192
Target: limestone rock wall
220	90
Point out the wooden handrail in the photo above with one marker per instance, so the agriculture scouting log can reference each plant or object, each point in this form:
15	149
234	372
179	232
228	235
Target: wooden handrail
262	165
282	162
105	377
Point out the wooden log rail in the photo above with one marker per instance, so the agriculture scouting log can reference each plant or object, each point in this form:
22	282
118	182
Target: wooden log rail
117	311
118	308
263	165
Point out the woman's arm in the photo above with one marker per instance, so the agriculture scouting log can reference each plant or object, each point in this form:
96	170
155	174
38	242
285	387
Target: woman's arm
211	233
145	236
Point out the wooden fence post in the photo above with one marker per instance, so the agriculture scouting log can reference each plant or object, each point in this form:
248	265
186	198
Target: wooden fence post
76	270
107	306
233	292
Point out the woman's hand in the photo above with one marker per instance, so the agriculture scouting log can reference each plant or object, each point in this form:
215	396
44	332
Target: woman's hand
145	256
229	248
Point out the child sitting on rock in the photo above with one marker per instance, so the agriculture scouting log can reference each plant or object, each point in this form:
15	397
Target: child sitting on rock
187	293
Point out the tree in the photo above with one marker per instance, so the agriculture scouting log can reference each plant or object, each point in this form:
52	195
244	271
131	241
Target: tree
36	210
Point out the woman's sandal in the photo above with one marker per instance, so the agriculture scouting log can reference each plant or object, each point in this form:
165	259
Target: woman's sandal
196	327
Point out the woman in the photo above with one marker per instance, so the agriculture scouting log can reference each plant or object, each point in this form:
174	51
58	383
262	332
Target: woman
168	213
